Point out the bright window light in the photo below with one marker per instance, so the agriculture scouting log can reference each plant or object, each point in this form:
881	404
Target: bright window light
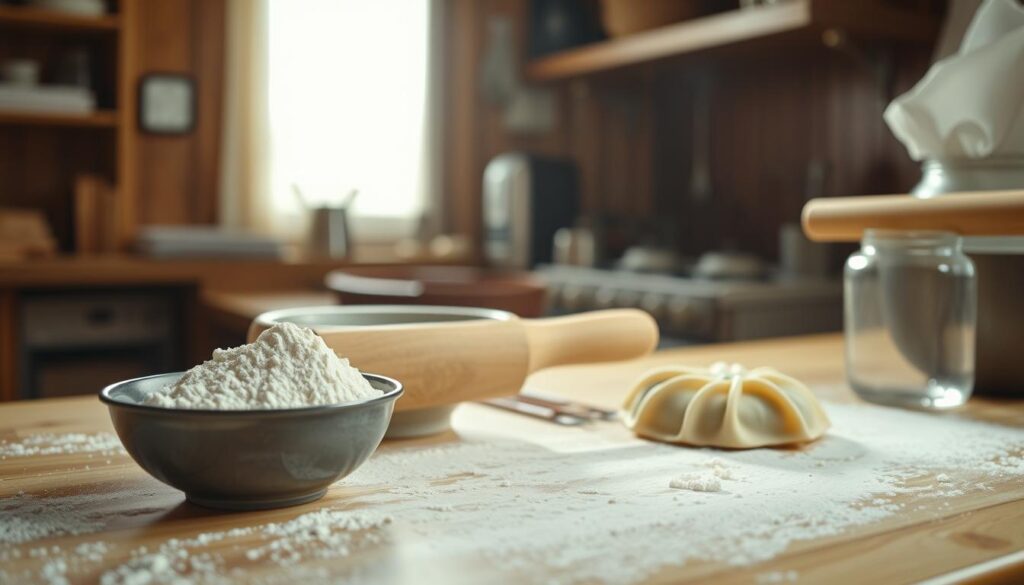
348	102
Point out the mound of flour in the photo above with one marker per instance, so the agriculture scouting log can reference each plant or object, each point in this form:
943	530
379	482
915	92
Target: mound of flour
288	366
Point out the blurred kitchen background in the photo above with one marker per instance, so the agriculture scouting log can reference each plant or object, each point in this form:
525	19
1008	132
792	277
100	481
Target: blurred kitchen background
171	168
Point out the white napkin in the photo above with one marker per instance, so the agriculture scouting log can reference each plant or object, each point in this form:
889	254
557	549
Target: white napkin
971	104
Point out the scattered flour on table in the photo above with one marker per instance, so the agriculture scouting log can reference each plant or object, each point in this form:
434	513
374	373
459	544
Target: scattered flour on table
609	513
709	480
776	577
322	535
62	444
315	536
57	563
28	518
288	366
24	518
703	481
590	504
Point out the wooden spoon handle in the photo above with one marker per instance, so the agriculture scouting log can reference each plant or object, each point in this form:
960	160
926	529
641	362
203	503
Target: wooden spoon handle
597	336
844	219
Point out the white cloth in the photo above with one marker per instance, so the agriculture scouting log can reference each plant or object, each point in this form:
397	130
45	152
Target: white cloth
971	104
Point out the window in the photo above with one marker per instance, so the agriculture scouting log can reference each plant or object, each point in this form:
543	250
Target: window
348	106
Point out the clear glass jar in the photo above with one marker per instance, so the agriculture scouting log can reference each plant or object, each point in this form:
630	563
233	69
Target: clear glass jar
999	264
910	314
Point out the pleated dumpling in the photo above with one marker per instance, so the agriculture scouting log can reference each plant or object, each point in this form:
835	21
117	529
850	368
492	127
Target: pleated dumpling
724	406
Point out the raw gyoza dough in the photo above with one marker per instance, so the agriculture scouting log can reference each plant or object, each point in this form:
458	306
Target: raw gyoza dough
723	406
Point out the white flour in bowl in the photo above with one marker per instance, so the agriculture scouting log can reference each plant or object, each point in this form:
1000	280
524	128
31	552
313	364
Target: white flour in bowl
288	366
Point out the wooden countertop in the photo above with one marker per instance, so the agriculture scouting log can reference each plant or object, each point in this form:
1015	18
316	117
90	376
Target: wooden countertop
210	273
955	539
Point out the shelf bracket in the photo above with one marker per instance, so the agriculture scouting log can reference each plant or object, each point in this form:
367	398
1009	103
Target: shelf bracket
878	62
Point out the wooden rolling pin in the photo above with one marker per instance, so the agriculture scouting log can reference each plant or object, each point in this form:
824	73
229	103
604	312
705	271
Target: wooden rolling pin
984	213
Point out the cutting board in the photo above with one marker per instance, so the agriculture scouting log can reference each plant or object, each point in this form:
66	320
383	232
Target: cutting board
974	537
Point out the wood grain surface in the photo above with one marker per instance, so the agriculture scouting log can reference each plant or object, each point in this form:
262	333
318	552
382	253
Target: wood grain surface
223	274
52	19
770	26
943	543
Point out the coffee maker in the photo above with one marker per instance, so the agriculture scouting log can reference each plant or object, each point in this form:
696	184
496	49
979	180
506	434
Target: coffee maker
526	199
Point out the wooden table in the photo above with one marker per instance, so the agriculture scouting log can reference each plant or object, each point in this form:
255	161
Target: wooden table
293	270
978	537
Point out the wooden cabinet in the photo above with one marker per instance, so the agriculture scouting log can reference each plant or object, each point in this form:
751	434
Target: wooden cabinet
154	178
41	153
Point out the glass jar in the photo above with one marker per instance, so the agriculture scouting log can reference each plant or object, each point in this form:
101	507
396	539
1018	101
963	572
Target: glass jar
999	264
910	311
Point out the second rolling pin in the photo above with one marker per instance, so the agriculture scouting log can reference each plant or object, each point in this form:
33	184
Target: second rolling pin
985	213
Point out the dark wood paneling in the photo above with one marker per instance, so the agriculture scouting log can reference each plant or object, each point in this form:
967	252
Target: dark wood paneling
771	115
166	178
8	345
209	22
631	133
461	117
605	130
177	175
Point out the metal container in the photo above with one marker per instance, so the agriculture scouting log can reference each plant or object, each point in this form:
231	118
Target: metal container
526	200
248	459
999	263
951	176
329	235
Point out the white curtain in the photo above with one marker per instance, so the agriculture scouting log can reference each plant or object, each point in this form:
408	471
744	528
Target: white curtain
328	95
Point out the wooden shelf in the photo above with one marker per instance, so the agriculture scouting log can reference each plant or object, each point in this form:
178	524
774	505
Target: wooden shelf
15	16
98	119
786	22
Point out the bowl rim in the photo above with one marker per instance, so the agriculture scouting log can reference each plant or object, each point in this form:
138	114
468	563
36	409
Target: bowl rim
412	282
389	395
271	318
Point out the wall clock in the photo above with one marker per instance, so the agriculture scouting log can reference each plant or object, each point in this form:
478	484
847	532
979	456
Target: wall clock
167	103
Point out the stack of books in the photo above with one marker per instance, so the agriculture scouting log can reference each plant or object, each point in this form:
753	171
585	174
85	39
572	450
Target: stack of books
46	98
205	241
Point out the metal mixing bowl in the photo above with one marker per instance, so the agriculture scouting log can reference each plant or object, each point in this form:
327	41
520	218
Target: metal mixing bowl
248	459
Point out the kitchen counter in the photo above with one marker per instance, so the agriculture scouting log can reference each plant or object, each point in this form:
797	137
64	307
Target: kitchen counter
210	273
976	536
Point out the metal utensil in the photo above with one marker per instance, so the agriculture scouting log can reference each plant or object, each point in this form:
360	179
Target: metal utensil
329	232
568	407
519	406
248	459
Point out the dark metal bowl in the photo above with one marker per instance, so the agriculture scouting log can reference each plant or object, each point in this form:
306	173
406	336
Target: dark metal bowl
248	459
